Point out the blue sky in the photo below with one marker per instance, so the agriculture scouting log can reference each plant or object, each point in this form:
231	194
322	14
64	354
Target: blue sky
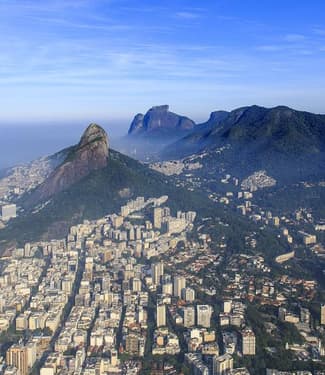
105	60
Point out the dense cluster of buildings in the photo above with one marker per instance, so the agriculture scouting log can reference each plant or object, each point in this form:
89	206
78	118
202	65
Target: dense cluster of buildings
22	178
83	300
19	276
139	284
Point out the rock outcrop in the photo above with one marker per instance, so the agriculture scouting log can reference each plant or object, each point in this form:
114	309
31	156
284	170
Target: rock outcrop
160	121
90	154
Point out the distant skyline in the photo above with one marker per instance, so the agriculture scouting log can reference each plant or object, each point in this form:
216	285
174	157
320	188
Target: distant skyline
105	60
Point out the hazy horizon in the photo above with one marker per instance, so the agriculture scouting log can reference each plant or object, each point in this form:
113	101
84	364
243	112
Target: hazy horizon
22	143
65	64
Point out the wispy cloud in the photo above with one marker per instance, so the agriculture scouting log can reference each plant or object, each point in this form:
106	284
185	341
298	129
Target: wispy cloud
271	47
293	44
187	15
44	6
295	38
97	51
319	31
288	49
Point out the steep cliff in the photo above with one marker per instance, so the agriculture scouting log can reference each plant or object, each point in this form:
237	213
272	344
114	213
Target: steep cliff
90	154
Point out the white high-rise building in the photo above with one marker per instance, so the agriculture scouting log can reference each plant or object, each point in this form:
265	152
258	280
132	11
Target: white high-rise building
227	306
17	356
80	357
223	364
8	211
157	217
322	314
175	225
136	285
189	316
167	288
204	313
248	342
179	284
31	353
157	270
188	294
161	315
27	250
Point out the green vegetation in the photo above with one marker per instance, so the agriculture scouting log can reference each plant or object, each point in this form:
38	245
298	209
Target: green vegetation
287	199
98	194
288	144
102	192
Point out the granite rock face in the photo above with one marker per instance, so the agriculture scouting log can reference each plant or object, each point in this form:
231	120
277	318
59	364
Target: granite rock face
217	116
160	121
90	154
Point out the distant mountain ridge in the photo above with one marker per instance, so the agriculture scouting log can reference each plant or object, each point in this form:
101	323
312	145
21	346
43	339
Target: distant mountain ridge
283	128
286	142
215	118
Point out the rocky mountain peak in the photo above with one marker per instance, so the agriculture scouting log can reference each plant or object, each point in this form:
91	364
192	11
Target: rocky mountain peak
160	108
160	121
90	154
218	116
93	133
136	124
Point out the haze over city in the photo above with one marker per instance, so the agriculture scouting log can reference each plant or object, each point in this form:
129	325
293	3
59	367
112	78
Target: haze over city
162	187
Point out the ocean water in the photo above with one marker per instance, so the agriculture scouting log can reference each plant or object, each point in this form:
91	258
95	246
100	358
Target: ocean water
23	143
